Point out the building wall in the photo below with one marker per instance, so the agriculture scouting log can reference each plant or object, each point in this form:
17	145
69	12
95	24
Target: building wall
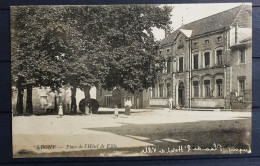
210	44
241	71
227	71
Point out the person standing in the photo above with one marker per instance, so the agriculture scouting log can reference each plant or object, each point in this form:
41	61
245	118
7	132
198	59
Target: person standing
87	111
128	105
60	110
116	111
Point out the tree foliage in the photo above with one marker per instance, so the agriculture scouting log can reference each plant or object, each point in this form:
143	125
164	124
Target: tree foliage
83	46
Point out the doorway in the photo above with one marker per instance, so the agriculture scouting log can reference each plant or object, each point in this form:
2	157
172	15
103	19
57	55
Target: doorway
181	94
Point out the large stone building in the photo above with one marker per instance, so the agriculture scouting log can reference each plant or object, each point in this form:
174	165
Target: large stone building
208	62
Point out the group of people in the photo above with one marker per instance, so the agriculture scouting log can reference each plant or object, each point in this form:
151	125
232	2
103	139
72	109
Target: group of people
127	104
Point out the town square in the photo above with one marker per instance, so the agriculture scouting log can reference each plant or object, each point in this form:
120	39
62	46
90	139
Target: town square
131	80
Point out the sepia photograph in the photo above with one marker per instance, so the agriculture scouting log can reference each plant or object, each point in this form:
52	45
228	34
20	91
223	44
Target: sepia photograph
131	80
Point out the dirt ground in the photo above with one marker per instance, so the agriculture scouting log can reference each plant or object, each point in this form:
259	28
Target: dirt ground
145	132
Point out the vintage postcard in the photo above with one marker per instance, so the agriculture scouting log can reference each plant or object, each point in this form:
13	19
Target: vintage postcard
131	80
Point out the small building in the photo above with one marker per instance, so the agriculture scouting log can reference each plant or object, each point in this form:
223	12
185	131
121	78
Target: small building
117	97
241	69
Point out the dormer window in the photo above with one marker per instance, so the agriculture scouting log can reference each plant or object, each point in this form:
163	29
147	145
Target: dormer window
206	41
219	39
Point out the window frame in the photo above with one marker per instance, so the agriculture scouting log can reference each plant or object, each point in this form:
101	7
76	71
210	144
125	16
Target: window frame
206	43
240	53
161	86
209	59
197	89
219	89
240	92
182	69
207	88
217	58
196	54
221	37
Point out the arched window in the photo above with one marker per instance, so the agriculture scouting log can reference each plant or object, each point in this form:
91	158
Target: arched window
195	61
207	59
219	87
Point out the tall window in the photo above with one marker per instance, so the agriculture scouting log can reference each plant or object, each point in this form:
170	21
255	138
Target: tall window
196	88
195	61
241	87
169	66
161	90
207	88
219	88
168	90
181	64
207	59
219	57
242	56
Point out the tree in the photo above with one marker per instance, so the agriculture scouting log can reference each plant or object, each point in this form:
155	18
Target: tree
80	47
134	63
33	63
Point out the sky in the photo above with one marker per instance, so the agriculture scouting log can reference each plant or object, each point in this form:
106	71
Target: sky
187	13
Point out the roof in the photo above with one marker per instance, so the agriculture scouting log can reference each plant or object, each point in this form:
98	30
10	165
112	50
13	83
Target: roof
206	25
242	44
170	38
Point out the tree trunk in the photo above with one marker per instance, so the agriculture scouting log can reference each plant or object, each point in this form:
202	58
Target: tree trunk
19	104
87	92
73	100
29	107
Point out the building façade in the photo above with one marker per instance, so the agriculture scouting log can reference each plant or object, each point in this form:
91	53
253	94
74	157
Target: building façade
208	63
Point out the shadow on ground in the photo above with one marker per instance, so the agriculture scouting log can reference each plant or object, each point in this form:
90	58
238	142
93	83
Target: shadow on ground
229	134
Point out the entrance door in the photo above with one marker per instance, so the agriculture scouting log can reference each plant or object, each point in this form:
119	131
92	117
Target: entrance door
181	94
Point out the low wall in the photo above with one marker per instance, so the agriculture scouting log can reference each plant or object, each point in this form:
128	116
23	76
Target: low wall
208	103
159	102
